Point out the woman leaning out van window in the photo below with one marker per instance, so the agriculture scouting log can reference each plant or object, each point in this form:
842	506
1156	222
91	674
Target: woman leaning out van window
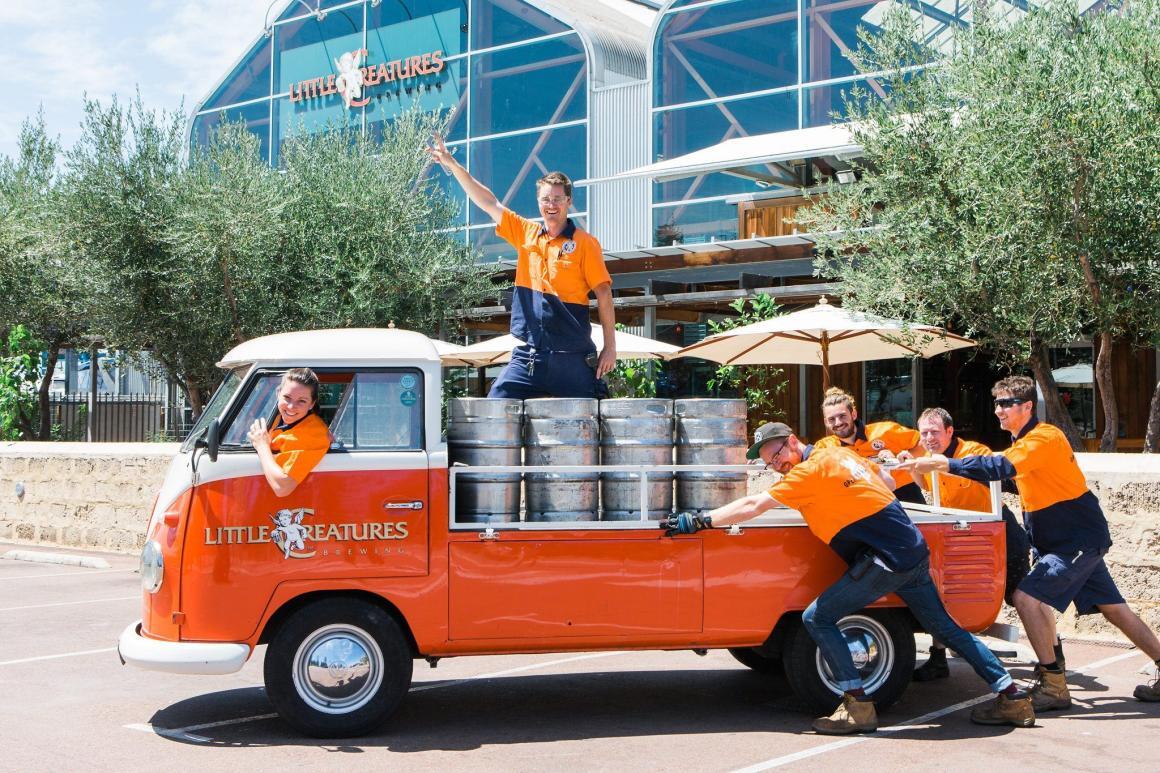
297	439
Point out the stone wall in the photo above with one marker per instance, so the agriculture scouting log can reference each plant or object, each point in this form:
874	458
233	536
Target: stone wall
84	495
98	495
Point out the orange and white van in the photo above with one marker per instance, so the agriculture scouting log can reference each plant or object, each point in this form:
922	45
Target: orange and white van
364	568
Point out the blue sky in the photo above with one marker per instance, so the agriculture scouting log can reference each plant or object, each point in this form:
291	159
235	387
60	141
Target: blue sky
54	51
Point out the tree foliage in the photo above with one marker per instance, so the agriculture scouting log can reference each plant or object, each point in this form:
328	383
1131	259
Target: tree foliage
198	252
45	289
1014	187
758	384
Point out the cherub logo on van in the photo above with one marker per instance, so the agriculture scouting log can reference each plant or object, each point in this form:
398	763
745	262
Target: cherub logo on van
878	445
289	534
295	539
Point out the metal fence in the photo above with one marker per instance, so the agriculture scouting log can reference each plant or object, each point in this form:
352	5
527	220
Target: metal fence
118	418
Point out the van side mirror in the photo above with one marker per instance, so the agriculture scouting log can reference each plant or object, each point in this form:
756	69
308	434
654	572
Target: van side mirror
213	437
210	440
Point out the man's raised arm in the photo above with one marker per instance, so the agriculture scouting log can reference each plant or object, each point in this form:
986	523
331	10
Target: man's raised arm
479	193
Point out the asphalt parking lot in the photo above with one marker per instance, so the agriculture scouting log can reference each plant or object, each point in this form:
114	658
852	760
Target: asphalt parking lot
68	704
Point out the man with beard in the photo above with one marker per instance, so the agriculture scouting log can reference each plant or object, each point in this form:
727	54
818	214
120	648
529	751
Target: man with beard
880	440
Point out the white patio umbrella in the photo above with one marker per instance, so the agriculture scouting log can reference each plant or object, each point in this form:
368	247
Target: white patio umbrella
1079	375
449	354
824	335
495	351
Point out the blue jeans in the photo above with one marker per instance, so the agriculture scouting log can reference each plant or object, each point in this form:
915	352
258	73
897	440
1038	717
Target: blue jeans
914	586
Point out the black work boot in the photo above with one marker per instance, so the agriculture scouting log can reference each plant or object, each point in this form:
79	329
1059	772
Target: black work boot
934	668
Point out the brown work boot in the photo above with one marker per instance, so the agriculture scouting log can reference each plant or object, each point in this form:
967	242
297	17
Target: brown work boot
1005	711
852	716
1050	691
1149	692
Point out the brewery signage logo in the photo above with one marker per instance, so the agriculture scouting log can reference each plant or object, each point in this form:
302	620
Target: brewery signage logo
353	76
295	539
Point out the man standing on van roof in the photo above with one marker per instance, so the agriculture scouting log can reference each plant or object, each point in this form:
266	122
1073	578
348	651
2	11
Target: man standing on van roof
558	265
1068	532
847	503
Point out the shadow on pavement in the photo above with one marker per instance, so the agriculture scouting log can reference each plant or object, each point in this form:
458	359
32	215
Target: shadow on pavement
557	707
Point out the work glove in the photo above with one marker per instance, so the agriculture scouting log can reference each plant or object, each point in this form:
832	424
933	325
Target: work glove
685	523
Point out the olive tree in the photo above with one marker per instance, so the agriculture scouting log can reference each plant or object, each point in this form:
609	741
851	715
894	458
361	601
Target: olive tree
1012	186
44	287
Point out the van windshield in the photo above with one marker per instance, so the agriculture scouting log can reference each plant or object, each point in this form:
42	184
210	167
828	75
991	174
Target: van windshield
213	410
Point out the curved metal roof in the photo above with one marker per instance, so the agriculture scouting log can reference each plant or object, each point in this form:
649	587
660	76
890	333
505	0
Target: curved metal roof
615	32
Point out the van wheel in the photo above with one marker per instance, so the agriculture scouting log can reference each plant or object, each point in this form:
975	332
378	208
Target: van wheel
882	644
337	668
755	658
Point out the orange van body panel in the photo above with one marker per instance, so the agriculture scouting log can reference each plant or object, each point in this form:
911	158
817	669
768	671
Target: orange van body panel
524	591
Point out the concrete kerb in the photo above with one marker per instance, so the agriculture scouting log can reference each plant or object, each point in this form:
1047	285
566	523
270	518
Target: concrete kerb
63	559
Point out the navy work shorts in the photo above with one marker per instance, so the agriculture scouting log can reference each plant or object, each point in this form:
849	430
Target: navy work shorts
534	373
1058	580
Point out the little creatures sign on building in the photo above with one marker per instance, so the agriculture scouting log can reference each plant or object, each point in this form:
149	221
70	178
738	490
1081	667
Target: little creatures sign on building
353	79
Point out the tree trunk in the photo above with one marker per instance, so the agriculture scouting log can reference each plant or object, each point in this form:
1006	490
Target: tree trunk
44	430
1056	412
1107	387
1152	436
196	398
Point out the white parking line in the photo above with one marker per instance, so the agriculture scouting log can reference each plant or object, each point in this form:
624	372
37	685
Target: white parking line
54	657
186	733
70	603
78	573
787	759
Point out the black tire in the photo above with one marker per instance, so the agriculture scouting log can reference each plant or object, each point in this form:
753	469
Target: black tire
886	670
755	658
337	700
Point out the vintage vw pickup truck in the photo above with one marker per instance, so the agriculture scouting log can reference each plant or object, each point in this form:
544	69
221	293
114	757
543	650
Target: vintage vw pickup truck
365	568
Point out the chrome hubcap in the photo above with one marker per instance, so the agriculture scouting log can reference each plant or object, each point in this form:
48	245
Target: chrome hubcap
871	648
338	669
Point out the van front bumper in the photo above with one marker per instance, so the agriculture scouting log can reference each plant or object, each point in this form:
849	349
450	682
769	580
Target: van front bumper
180	657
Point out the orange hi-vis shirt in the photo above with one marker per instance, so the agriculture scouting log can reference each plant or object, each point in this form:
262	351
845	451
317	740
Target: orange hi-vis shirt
300	447
833	488
1046	472
553	279
963	493
869	439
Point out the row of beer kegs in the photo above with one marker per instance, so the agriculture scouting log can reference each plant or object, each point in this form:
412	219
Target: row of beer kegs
590	433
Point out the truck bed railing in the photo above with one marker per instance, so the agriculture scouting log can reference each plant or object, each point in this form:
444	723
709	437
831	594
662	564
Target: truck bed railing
780	516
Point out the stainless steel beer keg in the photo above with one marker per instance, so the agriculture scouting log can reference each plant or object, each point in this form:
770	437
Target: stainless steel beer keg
635	431
561	431
485	431
709	432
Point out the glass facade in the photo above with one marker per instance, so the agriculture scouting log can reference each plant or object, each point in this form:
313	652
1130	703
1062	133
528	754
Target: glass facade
511	81
734	68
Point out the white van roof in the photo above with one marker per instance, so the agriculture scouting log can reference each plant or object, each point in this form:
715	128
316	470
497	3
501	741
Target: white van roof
306	347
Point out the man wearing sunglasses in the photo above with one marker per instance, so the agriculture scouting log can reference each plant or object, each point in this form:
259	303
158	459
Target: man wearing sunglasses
847	502
1068	532
557	266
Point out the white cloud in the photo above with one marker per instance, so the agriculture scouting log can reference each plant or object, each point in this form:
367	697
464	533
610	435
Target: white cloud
54	51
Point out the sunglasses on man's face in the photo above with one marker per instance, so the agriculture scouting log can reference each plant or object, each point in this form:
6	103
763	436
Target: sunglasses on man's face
1008	402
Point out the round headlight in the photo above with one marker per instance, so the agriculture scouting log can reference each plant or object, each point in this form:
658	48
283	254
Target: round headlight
152	566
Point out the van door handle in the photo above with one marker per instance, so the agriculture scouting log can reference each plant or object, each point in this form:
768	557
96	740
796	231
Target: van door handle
414	504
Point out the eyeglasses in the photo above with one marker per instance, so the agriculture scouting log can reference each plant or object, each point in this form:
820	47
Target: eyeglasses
777	453
1009	402
553	199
